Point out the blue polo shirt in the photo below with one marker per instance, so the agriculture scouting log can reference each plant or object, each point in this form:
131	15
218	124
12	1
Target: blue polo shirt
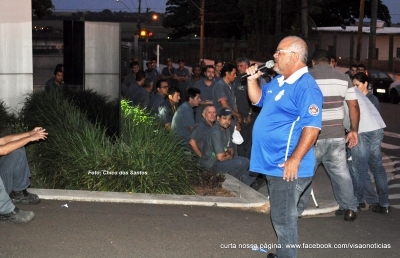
287	107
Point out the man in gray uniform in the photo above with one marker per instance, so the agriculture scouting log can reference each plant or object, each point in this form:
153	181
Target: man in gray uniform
183	120
201	128
56	83
180	76
223	94
206	87
217	152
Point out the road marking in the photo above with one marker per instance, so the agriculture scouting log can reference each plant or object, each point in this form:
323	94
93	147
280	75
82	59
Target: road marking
389	146
394	186
391	134
394	196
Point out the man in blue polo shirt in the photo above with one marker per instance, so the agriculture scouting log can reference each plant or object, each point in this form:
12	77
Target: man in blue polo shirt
283	135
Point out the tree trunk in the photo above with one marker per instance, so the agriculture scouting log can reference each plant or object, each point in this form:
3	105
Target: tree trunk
278	19
304	19
372	35
360	25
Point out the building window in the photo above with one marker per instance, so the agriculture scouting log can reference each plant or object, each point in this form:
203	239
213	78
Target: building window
398	52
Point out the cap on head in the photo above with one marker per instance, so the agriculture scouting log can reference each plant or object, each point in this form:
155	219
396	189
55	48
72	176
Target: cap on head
224	112
181	60
169	60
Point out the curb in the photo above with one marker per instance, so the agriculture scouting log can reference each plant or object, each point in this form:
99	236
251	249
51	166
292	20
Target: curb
246	197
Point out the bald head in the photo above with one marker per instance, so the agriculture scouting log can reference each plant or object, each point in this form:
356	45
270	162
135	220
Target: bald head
299	46
290	56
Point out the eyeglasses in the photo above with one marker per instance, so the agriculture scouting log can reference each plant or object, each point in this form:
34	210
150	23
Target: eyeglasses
277	52
164	87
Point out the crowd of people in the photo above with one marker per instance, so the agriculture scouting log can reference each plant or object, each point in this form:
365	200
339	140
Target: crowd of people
292	118
190	104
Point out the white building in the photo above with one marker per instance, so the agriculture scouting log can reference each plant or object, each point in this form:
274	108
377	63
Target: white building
341	39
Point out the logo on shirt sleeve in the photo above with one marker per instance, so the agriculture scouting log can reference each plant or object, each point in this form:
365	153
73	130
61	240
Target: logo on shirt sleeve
313	110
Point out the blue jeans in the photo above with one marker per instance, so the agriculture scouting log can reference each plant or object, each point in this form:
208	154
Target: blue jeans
6	205
283	199
366	154
238	167
332	153
14	170
370	192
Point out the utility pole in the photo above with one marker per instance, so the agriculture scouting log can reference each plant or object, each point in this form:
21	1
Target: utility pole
360	26
138	23
147	32
372	33
278	21
202	29
304	18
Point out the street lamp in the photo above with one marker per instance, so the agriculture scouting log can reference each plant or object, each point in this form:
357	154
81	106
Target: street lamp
125	5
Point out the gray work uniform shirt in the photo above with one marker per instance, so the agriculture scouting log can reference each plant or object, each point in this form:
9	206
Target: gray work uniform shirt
182	120
218	140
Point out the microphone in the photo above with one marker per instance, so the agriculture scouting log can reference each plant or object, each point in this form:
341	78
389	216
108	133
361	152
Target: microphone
268	64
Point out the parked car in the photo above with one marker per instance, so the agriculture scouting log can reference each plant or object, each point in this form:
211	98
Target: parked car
380	82
394	92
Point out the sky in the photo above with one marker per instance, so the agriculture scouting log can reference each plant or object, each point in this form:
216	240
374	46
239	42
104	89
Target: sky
159	6
113	5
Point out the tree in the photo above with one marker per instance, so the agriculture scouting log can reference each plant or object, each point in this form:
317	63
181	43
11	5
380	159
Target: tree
337	12
42	8
222	18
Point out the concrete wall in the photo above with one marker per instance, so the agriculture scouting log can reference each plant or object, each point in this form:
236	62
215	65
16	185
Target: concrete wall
102	55
343	45
16	72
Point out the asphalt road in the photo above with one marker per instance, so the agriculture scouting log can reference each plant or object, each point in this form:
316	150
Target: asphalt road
87	229
391	115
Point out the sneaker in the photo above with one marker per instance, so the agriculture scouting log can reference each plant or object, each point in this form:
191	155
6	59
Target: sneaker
24	197
18	216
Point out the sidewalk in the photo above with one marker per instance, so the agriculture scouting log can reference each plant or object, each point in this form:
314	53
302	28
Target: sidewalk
246	197
323	191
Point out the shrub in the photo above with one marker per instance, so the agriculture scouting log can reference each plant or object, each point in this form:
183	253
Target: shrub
77	147
98	109
7	121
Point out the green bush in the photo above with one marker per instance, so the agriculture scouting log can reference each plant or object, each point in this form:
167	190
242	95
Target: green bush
7	121
98	109
76	148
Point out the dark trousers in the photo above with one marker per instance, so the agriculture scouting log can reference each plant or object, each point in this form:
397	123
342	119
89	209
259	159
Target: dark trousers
14	171
244	149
